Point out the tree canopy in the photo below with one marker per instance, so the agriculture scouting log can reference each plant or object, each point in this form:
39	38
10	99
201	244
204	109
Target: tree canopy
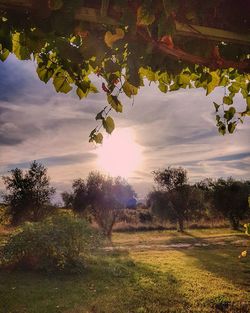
173	43
230	198
103	195
174	199
29	193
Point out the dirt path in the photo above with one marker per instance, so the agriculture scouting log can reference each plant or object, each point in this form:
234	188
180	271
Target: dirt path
198	242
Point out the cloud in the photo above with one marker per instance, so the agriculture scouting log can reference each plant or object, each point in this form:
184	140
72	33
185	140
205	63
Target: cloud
173	129
232	157
69	159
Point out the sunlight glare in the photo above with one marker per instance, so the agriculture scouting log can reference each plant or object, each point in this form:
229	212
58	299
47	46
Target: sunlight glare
119	154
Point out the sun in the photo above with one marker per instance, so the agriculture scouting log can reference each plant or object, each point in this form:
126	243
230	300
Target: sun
119	155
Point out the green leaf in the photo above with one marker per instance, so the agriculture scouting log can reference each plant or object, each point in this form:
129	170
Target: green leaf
224	81
61	83
164	77
44	73
98	138
216	106
20	51
229	114
99	115
108	124
93	89
184	79
129	89
244	93
92	132
231	127
76	40
80	93
248	102
227	100
174	87
234	88
163	87
83	89
222	128
213	83
115	103
4	54
148	73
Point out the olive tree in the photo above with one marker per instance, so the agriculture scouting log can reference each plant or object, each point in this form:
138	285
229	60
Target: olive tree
230	198
28	194
101	195
175	199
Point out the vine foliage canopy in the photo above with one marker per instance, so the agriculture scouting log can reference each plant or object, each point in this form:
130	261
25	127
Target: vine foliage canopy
173	43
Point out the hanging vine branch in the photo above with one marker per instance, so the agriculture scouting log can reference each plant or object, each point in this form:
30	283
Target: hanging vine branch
175	44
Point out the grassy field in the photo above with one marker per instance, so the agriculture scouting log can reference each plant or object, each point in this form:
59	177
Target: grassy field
143	272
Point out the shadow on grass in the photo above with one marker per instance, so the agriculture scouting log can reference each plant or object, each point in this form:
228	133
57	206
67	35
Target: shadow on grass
112	283
224	262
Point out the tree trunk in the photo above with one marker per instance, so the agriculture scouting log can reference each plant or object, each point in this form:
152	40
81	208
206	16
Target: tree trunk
180	225
234	221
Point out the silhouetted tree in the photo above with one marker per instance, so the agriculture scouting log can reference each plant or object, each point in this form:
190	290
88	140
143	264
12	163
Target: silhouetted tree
103	195
175	200
230	198
29	193
78	198
206	188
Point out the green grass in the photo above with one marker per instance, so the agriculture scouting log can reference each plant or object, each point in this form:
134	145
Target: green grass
198	279
173	237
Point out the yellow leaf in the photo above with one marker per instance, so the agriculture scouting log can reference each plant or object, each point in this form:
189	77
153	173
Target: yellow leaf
244	253
213	83
129	89
110	38
98	138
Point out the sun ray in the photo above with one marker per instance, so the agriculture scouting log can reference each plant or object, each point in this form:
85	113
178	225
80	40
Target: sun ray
119	154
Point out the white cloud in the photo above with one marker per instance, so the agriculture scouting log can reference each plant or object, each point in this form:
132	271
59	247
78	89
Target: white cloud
175	129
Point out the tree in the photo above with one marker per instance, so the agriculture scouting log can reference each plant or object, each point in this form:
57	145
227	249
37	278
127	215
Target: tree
188	45
171	178
77	199
230	198
29	193
175	200
104	196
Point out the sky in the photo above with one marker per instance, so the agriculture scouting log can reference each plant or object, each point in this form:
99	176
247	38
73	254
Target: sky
155	131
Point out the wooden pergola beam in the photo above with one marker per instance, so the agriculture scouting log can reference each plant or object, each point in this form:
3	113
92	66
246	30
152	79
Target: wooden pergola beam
210	33
179	54
100	16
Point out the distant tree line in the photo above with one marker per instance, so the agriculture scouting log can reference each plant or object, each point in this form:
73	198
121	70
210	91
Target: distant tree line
176	200
29	196
101	198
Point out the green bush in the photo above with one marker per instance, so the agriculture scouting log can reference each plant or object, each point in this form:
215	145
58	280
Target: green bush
61	243
3	215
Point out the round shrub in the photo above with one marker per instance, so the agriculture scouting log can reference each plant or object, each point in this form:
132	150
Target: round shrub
61	243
